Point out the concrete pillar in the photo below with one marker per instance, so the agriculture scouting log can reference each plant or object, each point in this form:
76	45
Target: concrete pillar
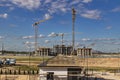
47	51
81	52
66	50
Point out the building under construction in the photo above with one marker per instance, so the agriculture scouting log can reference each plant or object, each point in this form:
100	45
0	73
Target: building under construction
84	52
62	49
44	51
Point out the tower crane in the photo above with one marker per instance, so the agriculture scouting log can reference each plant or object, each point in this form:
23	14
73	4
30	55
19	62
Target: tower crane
63	34
35	25
73	29
62	38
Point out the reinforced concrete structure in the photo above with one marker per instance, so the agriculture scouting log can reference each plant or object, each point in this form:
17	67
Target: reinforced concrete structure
83	52
43	51
62	49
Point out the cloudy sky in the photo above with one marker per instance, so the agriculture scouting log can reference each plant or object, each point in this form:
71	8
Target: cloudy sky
97	23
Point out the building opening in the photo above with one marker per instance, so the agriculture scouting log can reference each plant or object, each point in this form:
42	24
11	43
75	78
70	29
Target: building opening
74	73
50	76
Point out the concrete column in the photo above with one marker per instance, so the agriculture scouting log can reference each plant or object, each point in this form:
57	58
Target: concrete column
90	52
81	52
66	50
85	51
47	51
44	52
40	53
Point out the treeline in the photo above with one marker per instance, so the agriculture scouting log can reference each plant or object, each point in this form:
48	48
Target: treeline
106	53
15	52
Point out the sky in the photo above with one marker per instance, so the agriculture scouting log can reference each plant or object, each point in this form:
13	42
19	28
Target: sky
96	23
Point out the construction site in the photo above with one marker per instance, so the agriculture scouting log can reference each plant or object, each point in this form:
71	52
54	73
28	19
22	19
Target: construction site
61	68
58	56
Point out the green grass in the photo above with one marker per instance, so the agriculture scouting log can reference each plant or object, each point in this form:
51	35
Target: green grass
27	68
26	58
109	69
31	59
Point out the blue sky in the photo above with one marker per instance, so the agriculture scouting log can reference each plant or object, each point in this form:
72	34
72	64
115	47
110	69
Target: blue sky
97	23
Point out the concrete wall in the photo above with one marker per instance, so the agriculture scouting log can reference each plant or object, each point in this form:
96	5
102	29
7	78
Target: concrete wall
59	72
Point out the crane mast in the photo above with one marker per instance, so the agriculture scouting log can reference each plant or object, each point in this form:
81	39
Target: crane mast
35	25
73	29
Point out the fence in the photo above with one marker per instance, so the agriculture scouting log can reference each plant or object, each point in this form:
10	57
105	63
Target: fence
19	72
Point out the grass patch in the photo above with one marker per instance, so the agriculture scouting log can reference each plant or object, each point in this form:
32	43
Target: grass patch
26	58
27	68
103	69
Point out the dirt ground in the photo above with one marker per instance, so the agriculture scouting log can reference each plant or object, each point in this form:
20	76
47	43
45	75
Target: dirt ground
90	62
98	62
18	77
101	62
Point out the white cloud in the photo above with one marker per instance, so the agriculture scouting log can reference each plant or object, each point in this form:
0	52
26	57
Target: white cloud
27	37
58	6
85	39
87	1
61	34
6	5
99	39
63	9
41	36
1	37
47	1
53	6
117	9
116	43
47	16
29	44
47	41
29	4
53	34
109	27
5	15
75	2
91	14
105	39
